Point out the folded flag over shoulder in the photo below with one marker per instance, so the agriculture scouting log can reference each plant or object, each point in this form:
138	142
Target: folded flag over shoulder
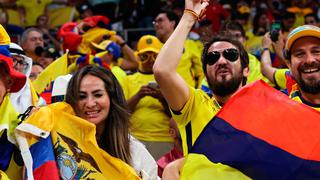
261	134
67	145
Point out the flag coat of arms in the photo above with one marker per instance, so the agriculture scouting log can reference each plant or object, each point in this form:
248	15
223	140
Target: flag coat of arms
62	144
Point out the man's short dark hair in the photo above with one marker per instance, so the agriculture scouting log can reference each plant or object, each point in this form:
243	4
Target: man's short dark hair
312	15
171	16
233	26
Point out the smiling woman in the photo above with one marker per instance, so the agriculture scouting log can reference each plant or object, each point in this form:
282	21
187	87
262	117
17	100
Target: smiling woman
91	92
96	96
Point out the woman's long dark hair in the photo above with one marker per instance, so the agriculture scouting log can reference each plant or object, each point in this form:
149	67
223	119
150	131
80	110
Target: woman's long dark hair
115	136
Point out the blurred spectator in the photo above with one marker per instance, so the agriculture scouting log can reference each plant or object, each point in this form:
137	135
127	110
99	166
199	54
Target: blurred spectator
150	112
178	7
47	56
260	24
311	19
216	13
260	27
85	10
242	14
21	62
30	10
287	23
190	66
164	24
107	8
242	19
115	46
236	30
299	9
176	151
110	52
30	40
49	35
14	31
35	71
205	31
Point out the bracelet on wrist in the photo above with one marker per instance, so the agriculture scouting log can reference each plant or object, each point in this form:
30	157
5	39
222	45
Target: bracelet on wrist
194	14
264	49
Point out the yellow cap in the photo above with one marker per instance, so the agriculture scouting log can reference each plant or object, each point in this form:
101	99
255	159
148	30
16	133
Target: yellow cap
4	37
149	43
299	32
244	9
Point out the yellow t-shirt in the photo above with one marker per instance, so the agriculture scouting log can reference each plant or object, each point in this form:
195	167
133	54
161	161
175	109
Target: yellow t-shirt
149	121
33	9
194	116
190	66
285	81
255	70
253	44
199	110
118	73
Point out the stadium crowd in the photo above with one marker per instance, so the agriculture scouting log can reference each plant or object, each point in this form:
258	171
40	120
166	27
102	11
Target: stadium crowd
163	89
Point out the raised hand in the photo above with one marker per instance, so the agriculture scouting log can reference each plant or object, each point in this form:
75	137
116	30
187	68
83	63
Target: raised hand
198	6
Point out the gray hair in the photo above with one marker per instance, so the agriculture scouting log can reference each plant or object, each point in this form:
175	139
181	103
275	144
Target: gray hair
26	32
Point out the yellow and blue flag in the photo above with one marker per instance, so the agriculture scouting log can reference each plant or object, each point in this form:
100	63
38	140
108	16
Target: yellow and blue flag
64	145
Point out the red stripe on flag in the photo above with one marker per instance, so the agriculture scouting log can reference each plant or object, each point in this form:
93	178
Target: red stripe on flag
265	113
47	171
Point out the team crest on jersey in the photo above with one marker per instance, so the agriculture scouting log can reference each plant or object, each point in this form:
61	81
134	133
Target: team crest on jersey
69	167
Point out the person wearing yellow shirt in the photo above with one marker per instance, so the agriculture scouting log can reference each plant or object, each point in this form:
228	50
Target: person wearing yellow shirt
302	51
150	113
190	66
225	64
234	29
30	10
110	52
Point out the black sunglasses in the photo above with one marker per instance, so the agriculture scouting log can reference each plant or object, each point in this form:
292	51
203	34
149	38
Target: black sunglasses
230	54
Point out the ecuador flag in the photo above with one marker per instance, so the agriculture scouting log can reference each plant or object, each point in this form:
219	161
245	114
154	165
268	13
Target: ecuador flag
261	134
64	146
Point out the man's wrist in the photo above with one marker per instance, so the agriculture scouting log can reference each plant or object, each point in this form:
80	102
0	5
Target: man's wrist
264	49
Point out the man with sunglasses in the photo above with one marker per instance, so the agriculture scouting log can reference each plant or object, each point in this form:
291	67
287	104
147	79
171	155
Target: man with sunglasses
21	62
225	65
150	113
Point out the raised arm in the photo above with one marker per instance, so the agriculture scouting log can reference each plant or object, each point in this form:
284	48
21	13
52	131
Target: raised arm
266	64
173	87
129	62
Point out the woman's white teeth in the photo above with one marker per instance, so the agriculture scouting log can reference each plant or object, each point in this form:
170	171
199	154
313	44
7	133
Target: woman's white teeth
91	112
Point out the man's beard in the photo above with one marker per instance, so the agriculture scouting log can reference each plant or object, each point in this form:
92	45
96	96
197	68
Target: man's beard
311	86
225	87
